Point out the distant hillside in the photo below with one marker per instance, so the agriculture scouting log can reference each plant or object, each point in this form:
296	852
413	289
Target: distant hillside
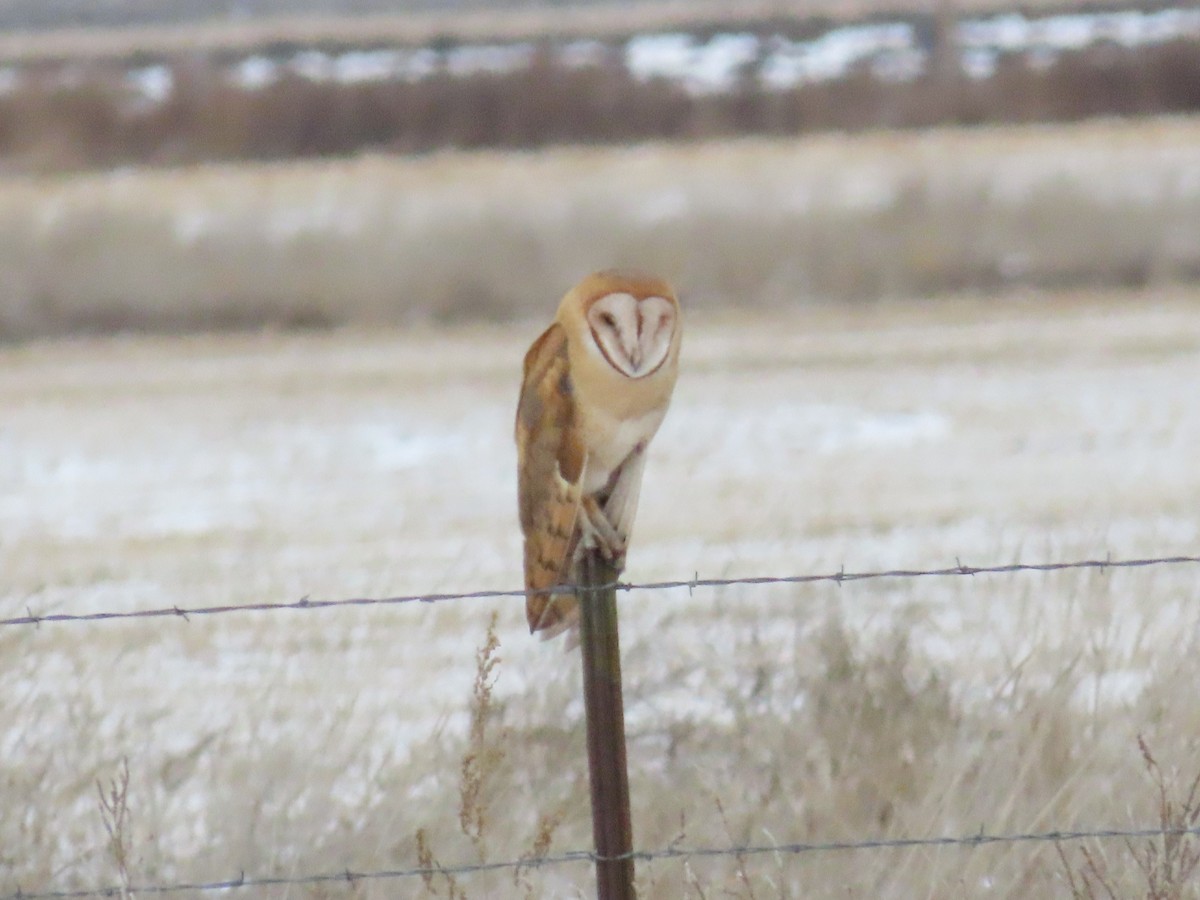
70	14
48	14
585	74
44	14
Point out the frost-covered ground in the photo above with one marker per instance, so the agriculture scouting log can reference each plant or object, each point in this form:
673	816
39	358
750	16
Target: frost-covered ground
146	473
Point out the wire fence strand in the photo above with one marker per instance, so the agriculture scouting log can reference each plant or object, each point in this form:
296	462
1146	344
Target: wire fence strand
575	857
839	577
347	876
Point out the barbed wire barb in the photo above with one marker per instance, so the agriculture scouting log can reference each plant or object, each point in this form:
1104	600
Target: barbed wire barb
839	577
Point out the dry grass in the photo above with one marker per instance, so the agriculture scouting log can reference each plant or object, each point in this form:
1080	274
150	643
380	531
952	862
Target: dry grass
114	812
495	236
152	472
1164	867
841	739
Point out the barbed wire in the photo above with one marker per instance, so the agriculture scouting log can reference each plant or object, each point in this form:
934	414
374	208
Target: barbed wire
583	856
839	577
586	856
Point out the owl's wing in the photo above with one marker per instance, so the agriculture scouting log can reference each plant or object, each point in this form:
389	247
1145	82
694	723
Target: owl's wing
620	506
550	464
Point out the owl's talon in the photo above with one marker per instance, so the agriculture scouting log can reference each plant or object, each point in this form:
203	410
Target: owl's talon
600	535
612	554
616	560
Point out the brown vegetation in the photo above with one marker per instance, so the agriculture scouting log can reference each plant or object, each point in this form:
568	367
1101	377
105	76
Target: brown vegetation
482	235
49	122
81	29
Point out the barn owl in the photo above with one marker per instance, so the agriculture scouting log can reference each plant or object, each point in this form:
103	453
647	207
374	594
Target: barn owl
596	387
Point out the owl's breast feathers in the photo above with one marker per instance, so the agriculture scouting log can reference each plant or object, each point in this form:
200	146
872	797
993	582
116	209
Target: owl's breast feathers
550	464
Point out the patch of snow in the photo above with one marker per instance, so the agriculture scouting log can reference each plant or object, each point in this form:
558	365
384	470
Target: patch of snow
890	51
315	65
153	83
1016	33
979	63
702	68
383	65
488	59
658	55
882	430
834	54
390	449
255	73
419	64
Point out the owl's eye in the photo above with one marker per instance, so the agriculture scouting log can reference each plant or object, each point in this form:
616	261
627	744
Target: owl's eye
607	319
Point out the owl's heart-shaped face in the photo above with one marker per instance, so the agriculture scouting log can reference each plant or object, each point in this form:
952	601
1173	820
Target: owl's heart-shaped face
633	334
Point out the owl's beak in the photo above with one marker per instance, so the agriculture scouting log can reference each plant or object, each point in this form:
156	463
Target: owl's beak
634	351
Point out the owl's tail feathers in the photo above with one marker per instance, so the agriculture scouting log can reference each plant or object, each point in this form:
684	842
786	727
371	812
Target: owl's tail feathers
549	614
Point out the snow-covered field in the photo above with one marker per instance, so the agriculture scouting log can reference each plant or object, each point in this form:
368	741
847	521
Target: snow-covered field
891	49
146	473
896	51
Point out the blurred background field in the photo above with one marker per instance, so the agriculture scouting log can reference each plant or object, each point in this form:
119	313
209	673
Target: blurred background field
267	273
246	171
487	235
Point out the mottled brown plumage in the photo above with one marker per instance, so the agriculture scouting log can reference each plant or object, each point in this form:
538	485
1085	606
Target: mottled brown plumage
548	481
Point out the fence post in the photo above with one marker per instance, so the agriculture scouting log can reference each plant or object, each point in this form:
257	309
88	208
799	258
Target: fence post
609	775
